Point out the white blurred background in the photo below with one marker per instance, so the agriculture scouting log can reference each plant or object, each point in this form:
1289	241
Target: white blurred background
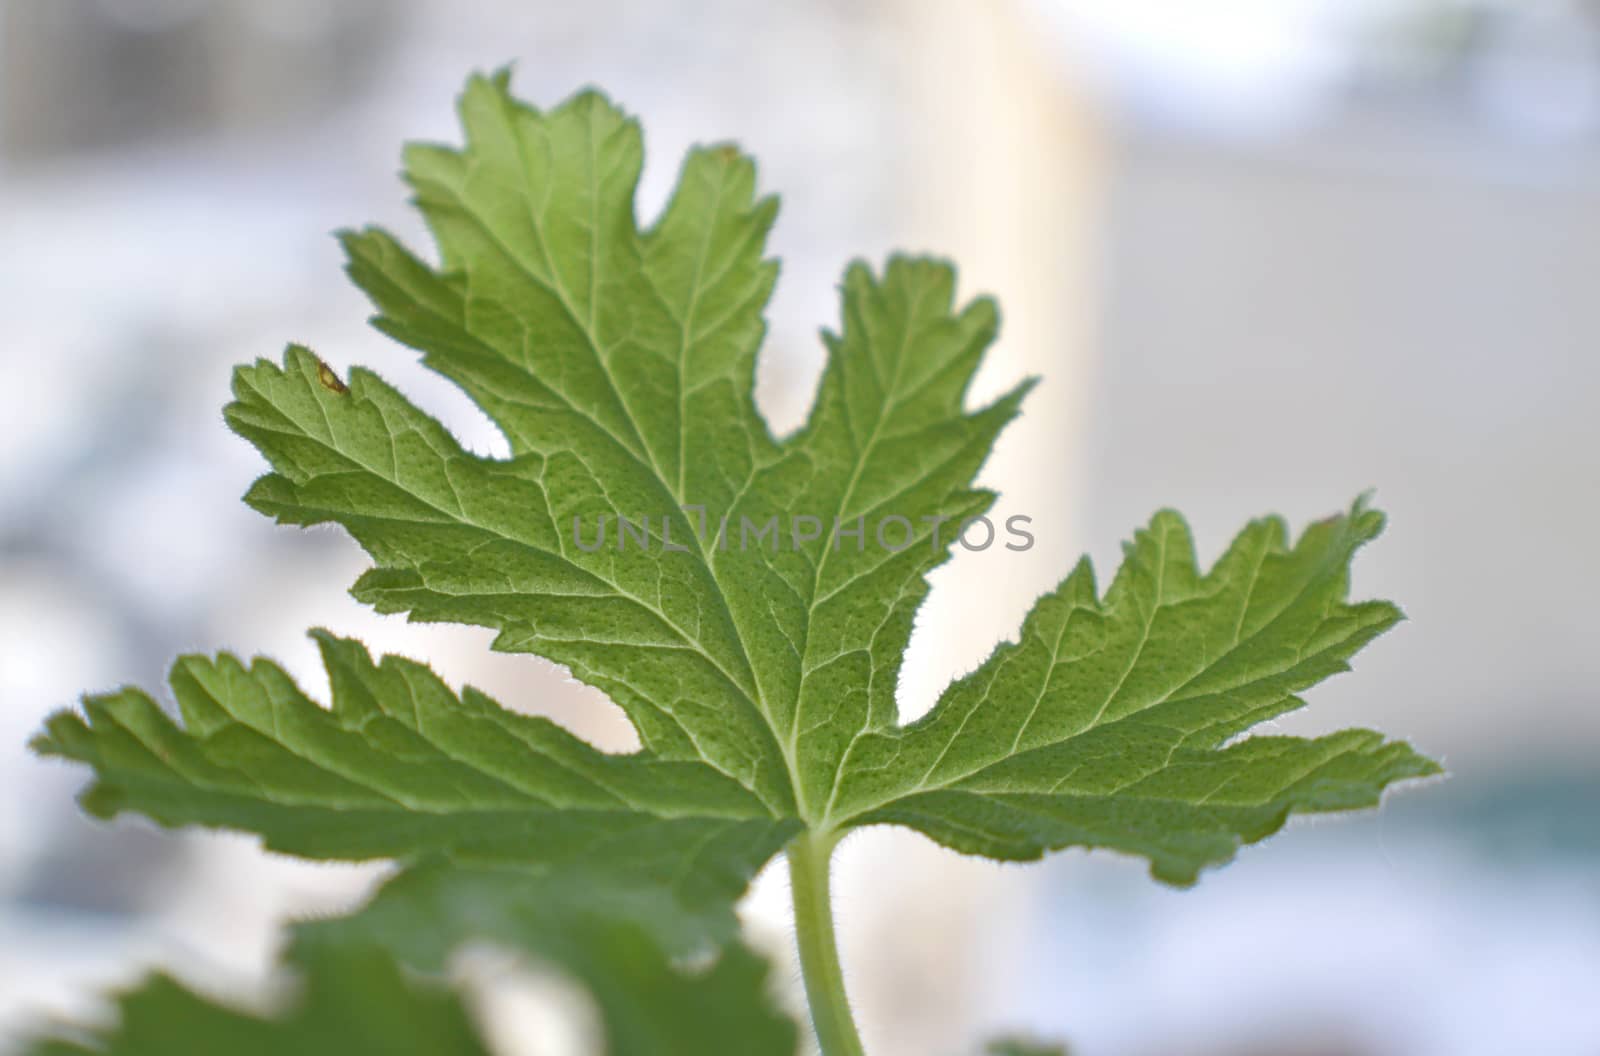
1266	253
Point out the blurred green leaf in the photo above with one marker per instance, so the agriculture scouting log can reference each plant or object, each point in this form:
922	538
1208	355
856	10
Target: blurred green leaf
1024	1047
648	1002
348	1001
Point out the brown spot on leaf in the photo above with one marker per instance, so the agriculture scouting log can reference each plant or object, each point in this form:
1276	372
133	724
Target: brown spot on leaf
330	380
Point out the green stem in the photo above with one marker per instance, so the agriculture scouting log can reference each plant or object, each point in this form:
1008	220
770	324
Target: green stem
810	855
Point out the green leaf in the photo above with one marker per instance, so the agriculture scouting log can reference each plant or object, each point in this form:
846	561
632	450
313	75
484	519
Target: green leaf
1024	1047
648	1002
349	1001
1112	722
402	767
351	997
759	670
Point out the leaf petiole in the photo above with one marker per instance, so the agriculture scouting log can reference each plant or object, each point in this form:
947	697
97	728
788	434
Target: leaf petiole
810	859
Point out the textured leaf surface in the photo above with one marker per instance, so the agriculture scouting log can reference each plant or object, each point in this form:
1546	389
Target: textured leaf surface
1109	723
402	767
350	1001
754	633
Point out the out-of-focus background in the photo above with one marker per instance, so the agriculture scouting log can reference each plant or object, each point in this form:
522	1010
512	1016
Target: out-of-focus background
1266	253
